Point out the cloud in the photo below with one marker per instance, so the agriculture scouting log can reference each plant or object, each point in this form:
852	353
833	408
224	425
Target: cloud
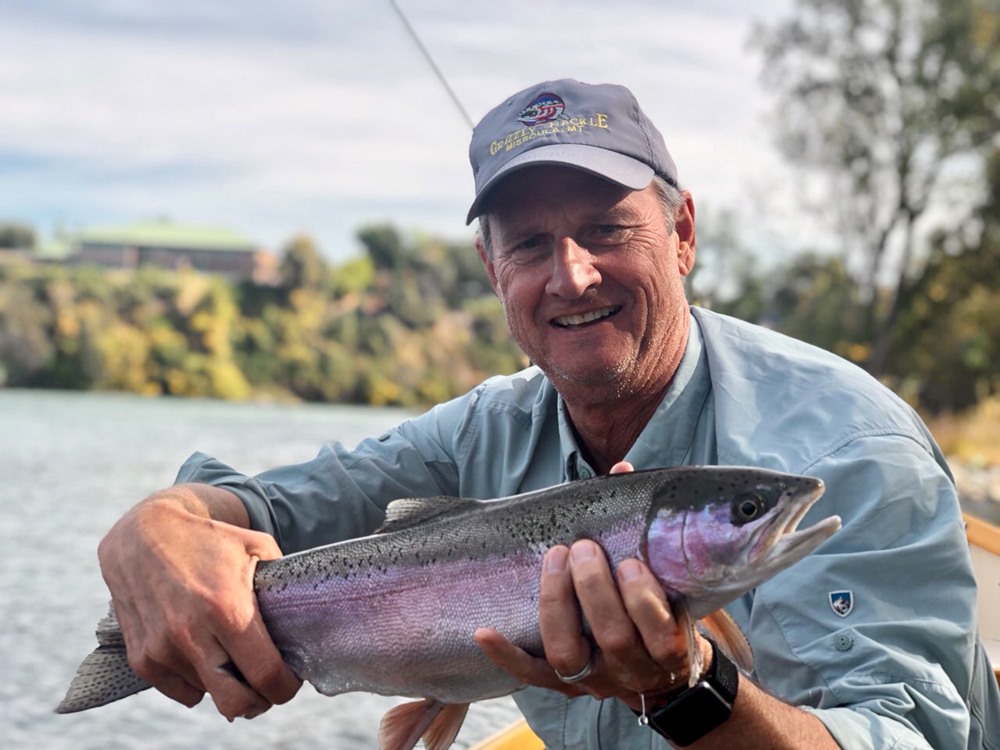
319	116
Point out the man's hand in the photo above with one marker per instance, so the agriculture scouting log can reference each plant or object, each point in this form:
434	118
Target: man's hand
180	570
634	645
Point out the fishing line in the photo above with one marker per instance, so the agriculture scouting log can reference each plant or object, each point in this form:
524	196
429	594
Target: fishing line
430	61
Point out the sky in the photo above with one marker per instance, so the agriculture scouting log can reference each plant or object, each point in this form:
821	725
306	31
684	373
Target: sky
322	116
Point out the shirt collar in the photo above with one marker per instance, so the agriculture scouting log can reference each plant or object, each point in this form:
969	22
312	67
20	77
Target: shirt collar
667	437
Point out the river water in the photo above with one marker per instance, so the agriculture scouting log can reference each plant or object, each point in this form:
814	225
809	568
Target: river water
70	465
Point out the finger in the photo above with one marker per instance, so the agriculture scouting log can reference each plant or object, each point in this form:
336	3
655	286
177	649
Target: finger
177	690
182	648
626	666
647	606
622	467
181	653
257	658
148	662
171	685
566	648
261	546
644	598
232	696
600	600
525	668
244	648
254	654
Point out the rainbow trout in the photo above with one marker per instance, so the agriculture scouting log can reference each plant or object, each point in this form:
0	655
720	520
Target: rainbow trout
394	613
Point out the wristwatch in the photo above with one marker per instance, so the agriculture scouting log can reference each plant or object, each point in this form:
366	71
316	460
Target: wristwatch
692	712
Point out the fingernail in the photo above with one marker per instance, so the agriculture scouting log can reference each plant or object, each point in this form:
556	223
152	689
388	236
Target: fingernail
582	552
629	570
555	560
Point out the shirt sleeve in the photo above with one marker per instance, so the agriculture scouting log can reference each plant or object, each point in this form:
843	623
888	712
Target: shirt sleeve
343	493
889	666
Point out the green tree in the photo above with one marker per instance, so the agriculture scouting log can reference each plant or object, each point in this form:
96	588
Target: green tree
814	299
471	279
949	336
302	266
16	236
727	277
381	335
892	102
384	246
26	346
353	277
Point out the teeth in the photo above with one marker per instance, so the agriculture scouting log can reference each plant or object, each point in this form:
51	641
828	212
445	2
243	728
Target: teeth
587	317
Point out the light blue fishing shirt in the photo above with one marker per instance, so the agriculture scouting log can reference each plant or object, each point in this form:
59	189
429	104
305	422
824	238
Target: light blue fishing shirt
903	669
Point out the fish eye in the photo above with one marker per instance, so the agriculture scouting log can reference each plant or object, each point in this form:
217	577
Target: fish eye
749	506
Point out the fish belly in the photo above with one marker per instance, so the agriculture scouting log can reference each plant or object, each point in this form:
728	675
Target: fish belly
407	631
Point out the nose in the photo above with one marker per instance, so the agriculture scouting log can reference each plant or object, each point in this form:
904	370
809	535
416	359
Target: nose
573	270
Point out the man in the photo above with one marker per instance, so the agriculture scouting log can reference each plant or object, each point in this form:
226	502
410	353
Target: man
868	643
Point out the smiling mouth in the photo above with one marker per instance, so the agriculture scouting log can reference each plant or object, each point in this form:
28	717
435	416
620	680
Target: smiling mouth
572	321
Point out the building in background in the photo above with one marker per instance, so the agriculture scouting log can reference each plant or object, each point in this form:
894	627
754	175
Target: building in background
166	244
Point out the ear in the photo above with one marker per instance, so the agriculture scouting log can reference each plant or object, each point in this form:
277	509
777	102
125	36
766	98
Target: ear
490	270
684	226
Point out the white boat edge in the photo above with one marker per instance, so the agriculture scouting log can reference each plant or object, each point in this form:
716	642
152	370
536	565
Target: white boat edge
984	546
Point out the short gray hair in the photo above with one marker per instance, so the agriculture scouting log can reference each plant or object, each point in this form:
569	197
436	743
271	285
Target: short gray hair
671	200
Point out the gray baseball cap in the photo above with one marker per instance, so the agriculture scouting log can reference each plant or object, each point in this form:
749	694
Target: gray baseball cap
598	128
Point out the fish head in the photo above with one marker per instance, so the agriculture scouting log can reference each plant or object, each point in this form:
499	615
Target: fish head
715	533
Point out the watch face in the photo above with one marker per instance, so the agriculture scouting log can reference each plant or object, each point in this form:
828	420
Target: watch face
692	715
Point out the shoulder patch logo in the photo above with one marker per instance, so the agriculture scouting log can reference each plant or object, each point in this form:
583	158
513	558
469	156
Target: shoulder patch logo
842	602
545	108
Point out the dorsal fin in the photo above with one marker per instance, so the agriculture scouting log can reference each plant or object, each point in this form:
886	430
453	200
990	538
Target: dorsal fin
412	511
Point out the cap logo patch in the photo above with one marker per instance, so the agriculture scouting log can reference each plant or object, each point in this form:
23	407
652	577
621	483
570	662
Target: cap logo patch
545	108
546	117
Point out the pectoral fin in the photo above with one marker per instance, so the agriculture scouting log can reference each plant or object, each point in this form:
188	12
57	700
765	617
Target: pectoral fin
722	629
686	625
727	634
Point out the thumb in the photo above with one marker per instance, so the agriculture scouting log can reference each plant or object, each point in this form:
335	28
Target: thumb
261	545
622	467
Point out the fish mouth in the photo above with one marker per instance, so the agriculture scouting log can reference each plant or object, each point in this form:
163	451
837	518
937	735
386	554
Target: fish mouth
784	540
580	319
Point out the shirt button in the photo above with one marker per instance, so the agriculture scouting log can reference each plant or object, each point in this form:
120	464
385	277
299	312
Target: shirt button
586	474
844	641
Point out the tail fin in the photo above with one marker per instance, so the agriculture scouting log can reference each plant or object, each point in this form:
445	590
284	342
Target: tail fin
104	676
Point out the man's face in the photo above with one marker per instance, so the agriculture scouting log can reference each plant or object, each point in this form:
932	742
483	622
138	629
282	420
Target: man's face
591	278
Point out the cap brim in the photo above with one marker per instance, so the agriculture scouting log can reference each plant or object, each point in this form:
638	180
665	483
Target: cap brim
610	165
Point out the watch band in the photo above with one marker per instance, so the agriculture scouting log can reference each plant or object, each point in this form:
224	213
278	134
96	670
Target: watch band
693	712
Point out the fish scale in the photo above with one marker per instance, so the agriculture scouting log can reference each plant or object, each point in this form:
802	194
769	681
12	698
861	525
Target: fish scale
395	612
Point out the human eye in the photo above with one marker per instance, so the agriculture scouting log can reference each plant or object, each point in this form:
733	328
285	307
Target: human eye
611	234
530	243
531	247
